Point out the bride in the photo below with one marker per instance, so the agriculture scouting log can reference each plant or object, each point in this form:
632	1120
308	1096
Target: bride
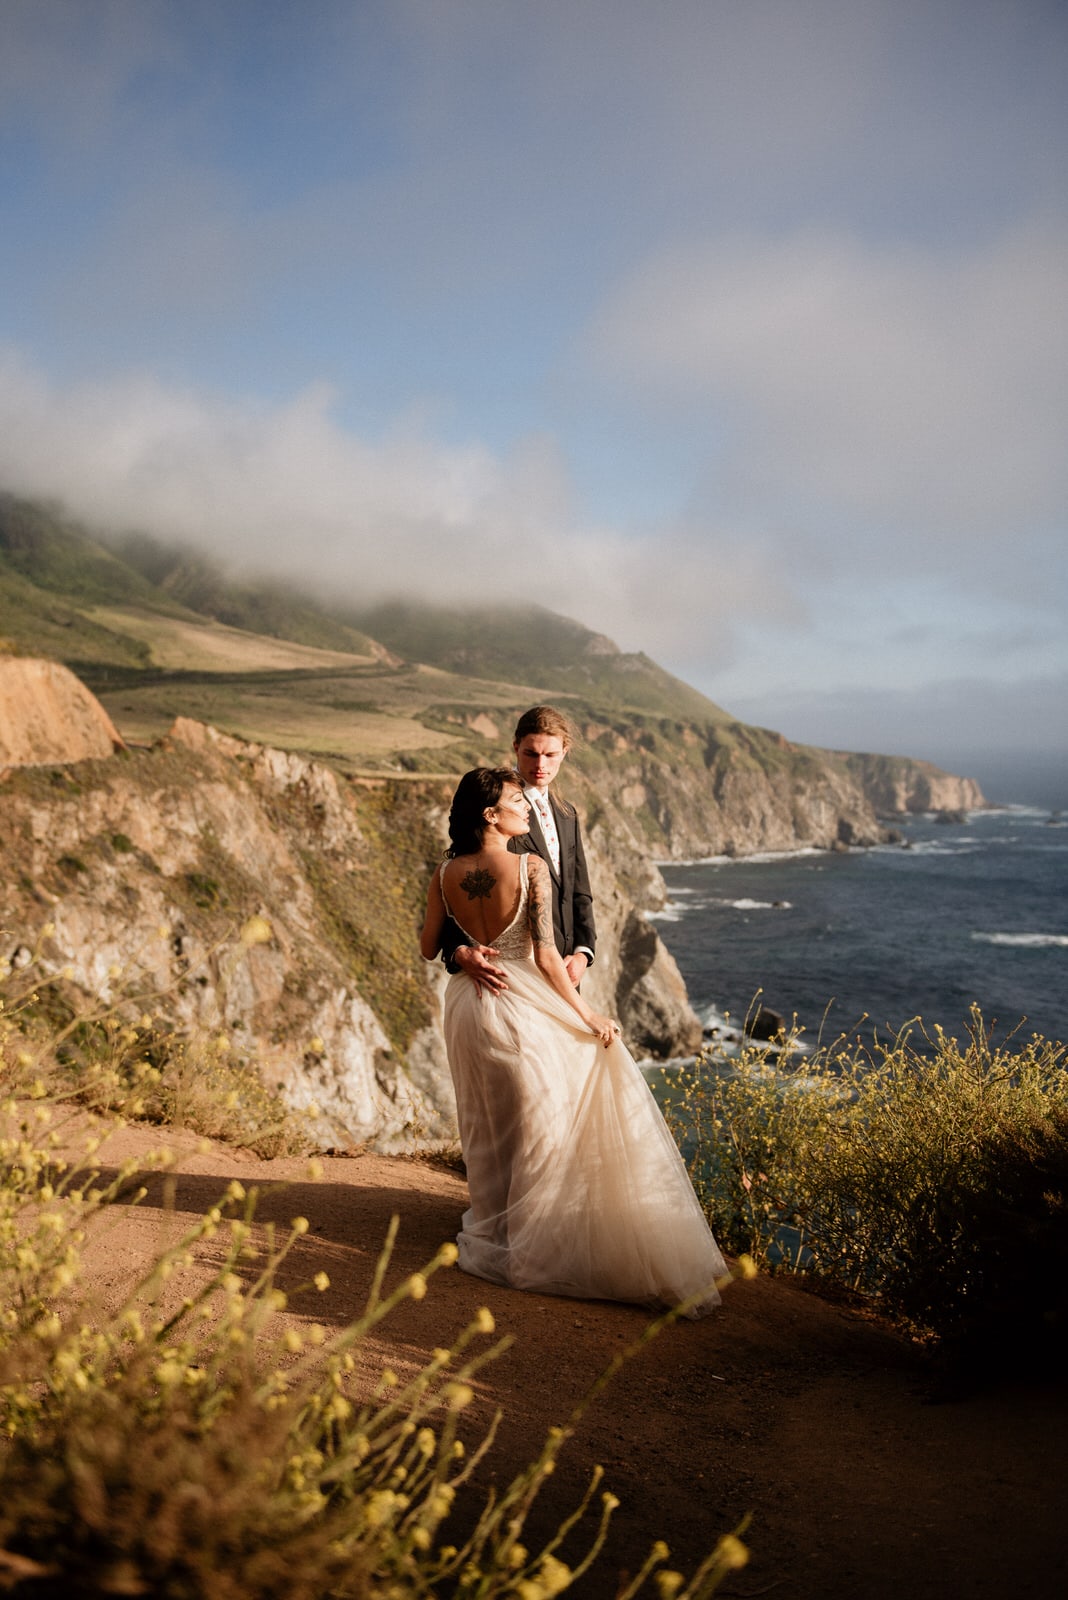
576	1185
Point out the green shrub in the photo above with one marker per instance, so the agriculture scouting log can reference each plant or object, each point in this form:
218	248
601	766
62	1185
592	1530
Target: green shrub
122	1060
928	1174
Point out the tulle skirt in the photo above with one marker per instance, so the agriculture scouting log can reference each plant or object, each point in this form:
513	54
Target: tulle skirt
576	1184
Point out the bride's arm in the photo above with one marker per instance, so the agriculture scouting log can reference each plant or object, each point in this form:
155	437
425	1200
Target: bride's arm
549	960
434	921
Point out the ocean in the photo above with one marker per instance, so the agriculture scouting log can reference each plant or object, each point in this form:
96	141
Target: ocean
956	914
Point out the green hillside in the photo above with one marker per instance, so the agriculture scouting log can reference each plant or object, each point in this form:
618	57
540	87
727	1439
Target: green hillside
423	691
528	644
33	622
42	545
158	631
266	607
46	553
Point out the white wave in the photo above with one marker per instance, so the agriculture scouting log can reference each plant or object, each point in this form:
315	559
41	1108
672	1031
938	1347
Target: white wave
945	847
741	861
1026	941
758	905
781	855
718	1022
675	911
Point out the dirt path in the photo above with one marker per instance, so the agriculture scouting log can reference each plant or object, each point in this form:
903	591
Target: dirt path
802	1415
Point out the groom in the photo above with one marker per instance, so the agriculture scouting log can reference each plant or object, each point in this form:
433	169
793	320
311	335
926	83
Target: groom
543	736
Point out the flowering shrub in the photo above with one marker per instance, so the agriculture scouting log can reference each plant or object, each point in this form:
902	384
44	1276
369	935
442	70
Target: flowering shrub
928	1173
121	1057
189	1443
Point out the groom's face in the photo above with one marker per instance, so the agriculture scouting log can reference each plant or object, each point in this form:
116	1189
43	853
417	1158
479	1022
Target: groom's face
538	758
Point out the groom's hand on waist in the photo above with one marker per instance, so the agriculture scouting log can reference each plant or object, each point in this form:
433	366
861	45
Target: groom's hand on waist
480	963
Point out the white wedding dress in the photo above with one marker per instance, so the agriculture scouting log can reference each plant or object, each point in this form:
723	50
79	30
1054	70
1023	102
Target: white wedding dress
576	1185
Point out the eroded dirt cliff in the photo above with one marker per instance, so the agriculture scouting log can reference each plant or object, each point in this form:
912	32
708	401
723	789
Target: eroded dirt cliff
47	715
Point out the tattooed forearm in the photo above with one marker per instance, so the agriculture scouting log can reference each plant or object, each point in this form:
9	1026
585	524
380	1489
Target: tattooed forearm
540	908
478	885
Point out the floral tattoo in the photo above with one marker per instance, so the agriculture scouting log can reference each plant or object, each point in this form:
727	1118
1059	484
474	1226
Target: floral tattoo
540	911
478	885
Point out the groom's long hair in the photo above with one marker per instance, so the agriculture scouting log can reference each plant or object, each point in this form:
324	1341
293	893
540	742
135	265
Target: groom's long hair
547	719
478	791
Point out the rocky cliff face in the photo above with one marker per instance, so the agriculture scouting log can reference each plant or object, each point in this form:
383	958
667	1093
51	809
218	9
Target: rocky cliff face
898	786
689	790
136	876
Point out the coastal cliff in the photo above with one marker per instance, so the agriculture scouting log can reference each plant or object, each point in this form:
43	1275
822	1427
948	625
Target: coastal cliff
240	891
897	785
137	870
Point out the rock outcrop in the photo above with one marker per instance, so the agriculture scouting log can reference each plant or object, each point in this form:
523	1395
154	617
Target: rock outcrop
48	717
899	786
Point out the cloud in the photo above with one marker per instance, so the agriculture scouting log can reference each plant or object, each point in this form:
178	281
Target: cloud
889	387
288	490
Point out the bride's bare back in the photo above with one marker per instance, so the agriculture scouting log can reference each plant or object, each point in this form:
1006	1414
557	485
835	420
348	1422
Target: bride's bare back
482	892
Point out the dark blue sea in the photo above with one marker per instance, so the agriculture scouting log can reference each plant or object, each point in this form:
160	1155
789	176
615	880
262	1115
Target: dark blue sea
956	914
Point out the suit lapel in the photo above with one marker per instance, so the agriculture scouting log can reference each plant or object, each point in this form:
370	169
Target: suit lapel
563	833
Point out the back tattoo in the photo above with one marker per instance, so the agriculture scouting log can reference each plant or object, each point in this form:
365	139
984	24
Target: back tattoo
478	884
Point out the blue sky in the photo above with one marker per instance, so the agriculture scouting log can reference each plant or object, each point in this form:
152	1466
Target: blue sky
738	332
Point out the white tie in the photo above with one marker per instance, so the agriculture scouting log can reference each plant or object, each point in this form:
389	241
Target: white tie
548	826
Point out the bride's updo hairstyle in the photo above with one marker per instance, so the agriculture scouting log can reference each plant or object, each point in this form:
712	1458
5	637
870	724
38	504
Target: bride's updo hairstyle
478	791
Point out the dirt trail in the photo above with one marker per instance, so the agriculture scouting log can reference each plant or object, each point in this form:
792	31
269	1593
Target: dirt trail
804	1416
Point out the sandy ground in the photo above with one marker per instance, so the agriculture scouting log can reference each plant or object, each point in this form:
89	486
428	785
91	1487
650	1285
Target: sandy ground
811	1420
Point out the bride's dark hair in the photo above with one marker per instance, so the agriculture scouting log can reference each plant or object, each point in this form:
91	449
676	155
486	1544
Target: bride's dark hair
478	791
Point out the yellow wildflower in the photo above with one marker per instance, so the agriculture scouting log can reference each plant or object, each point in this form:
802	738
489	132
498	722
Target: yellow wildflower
731	1552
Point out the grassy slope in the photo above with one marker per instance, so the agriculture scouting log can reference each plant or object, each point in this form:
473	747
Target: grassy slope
533	645
158	633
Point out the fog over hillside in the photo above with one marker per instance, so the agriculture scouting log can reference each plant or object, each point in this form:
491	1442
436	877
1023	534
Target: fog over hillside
735	332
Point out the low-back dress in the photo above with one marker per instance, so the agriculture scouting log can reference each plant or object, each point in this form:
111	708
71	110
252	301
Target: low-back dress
576	1185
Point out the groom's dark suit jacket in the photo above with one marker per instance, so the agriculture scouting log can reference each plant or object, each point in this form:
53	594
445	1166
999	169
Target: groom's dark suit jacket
573	925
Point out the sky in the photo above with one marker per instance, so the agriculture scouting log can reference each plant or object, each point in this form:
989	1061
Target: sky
736	330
